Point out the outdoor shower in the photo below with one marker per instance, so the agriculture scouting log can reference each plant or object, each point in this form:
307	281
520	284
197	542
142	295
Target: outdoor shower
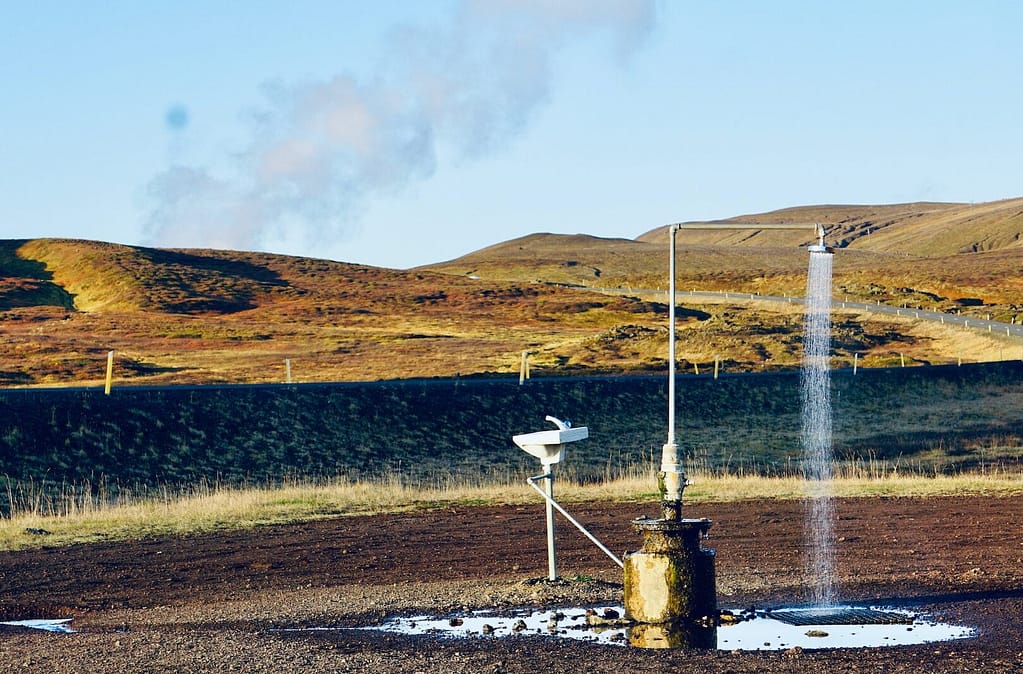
669	585
670	581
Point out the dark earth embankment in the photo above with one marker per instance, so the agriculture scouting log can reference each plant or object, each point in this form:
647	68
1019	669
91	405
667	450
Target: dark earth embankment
940	418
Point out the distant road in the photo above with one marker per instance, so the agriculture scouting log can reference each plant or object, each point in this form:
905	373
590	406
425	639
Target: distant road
984	325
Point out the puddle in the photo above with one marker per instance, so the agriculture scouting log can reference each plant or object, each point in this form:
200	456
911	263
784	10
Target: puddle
756	632
60	625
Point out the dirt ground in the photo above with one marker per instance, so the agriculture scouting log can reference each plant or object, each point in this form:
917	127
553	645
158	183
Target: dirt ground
239	601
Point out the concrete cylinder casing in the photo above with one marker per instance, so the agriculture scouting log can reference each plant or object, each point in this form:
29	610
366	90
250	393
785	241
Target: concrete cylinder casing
673	635
671	579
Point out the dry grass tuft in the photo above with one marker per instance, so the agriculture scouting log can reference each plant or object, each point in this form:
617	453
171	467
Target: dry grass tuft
211	508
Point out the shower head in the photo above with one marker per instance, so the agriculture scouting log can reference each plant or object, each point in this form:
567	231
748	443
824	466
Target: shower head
820	246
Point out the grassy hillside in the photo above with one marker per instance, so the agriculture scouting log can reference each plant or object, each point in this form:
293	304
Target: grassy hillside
25	282
203	316
918	229
948	257
221	316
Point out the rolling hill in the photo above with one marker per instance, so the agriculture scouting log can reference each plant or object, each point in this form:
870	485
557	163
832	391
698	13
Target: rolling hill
930	253
205	316
920	229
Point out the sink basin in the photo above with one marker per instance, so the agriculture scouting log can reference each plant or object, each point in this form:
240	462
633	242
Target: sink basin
549	446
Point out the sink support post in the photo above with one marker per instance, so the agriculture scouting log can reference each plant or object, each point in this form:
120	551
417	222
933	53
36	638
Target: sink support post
552	552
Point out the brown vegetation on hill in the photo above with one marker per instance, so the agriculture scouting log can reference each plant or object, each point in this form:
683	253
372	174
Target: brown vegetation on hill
222	316
925	254
924	229
203	316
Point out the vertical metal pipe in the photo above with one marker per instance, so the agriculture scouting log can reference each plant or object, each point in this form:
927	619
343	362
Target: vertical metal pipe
671	337
671	479
552	555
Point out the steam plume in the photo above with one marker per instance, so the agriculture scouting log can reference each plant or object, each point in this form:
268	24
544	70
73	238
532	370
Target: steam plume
319	149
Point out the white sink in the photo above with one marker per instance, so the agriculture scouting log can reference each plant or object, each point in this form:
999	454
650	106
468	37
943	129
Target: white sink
549	446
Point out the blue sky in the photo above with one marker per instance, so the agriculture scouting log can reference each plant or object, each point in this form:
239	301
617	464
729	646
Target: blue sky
400	133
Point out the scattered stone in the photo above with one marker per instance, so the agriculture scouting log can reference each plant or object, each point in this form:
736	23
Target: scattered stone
726	617
816	633
613	619
455	622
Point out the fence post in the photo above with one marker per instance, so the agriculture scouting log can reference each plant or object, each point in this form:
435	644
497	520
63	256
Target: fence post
110	372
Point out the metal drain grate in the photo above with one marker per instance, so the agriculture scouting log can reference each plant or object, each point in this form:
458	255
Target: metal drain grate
843	615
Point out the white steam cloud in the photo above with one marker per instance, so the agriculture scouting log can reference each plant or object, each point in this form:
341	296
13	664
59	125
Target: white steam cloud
320	149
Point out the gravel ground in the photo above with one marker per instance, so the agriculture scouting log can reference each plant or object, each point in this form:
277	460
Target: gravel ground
243	601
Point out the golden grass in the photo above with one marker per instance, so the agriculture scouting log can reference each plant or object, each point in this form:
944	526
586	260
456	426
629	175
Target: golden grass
211	508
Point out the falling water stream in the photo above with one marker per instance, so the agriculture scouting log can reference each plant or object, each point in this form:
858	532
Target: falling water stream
816	432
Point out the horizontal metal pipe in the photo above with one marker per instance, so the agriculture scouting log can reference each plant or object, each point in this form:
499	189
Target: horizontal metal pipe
747	225
817	227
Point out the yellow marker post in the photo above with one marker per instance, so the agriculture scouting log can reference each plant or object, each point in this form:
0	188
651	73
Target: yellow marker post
524	368
110	372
